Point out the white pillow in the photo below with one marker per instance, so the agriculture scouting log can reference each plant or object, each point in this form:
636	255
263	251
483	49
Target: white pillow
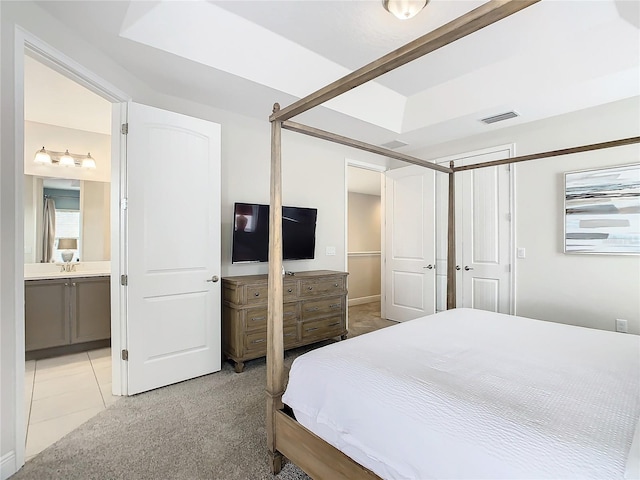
632	470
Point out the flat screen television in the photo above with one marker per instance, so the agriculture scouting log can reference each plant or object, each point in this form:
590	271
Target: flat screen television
251	233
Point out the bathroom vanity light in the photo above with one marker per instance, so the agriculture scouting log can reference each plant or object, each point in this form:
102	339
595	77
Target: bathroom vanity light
66	159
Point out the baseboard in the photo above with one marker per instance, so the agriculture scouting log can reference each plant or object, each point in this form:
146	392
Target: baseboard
8	465
363	300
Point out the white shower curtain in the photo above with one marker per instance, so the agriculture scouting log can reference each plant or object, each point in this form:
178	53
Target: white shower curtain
48	230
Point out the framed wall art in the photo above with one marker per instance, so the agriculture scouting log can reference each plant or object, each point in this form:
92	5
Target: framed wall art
602	210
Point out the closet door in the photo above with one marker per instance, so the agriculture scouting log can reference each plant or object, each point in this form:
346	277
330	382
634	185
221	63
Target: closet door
483	233
486	234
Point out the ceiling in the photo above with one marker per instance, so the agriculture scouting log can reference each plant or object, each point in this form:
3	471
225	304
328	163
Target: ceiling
554	57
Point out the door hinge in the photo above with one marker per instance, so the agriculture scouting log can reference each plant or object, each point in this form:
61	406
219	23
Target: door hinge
508	217
124	280
124	203
125	354
124	129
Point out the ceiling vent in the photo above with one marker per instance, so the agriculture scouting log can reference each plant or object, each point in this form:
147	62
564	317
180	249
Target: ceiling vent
394	144
500	117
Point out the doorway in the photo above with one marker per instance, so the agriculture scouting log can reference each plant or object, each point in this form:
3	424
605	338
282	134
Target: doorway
25	45
67	254
365	225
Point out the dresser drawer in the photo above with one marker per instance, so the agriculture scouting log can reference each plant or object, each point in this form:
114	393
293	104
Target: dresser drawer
290	292
324	328
257	293
327	286
257	341
312	309
256	318
290	335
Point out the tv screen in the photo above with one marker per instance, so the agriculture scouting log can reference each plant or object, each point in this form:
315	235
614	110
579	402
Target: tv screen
251	233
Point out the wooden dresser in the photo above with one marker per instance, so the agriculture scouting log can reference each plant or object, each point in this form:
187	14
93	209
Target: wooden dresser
315	309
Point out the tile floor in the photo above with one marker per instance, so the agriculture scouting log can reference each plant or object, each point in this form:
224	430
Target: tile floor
62	393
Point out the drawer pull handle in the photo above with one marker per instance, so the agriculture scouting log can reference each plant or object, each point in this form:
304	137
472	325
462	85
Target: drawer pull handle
312	329
258	319
310	288
335	284
257	294
335	305
313	309
334	324
260	340
289	290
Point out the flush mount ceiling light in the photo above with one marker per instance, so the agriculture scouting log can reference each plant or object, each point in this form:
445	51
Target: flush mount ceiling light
66	159
404	9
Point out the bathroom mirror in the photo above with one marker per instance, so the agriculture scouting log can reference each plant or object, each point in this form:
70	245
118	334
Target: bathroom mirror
81	210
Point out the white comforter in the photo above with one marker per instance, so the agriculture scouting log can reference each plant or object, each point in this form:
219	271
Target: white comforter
473	394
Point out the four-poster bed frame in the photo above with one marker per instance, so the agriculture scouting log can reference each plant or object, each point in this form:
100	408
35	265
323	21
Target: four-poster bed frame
284	435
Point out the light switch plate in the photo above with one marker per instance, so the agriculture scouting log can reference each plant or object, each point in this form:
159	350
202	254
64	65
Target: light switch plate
522	253
331	250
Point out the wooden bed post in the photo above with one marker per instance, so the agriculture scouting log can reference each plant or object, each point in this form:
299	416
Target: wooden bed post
451	241
275	347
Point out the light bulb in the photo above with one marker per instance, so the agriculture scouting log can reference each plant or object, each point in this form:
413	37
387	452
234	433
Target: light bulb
89	162
67	160
42	156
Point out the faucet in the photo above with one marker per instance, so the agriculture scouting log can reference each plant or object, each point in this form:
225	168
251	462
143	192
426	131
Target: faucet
68	267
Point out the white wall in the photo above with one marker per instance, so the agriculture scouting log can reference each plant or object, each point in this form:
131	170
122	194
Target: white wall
587	290
94	208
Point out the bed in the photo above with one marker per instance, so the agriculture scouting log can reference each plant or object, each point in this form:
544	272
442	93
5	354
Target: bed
473	394
321	458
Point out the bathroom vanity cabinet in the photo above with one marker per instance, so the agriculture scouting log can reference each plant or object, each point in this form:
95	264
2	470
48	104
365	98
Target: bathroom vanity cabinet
66	315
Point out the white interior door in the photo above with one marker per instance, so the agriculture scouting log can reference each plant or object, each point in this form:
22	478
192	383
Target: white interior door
410	243
483	233
173	253
486	236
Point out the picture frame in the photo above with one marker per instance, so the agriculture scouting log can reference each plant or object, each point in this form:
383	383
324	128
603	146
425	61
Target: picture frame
602	211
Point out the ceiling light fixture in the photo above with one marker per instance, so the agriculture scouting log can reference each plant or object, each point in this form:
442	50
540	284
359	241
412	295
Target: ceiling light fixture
404	9
66	159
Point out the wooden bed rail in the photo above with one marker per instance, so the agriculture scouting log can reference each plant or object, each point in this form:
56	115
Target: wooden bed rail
335	138
552	153
468	23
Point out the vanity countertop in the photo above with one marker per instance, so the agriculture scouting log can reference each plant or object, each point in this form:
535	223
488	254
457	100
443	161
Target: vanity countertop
43	271
45	276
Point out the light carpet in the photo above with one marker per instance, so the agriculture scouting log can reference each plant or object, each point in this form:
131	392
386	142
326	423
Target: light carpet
212	427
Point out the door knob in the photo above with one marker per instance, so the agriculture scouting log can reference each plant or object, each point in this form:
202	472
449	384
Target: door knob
467	268
430	267
457	267
213	279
